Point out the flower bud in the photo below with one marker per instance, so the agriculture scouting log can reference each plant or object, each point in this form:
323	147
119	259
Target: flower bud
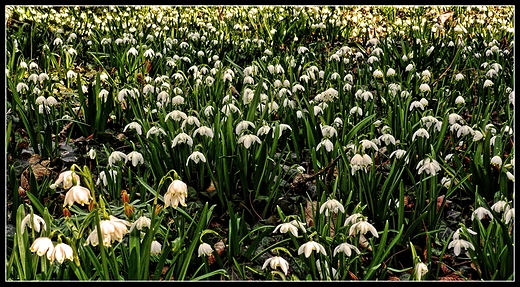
124	196
21	191
129	209
66	212
158	208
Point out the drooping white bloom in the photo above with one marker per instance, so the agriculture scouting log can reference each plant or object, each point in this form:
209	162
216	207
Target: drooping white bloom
331	205
77	194
34	221
327	143
248	139
155	248
424	88
115	157
496	161
430	166
275	262
357	110
204	131
243	125
481	212
346	248
399	153
196	156
176	115
111	230
460	100
421	132
67	179
134	126
488	83
499	206
328	131
42	245
135	158
362	227
205	249
102	177
458	243
155	131
140	223
420	270
176	193
308	247
416	104
60	252
182	138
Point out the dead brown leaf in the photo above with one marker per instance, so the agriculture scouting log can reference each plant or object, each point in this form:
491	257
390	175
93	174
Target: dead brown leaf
39	167
309	214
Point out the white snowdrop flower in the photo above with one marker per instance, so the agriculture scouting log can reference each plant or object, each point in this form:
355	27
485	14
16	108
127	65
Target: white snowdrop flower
387	139
499	206
191	120
243	125
399	153
460	100
357	110
390	72
205	249
488	83
328	131
421	132
229	108
182	138
510	176
377	74
132	51
459	77
424	102
176	115
453	118
204	131
481	212
178	100
275	262
446	182
317	110
327	143
424	88
367	144
416	104
135	158
140	223
310	246
331	205
115	157
102	177
155	131
92	153
134	126
496	161
430	166
477	135
465	130
196	156
372	59
33	221
263	130
248	139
